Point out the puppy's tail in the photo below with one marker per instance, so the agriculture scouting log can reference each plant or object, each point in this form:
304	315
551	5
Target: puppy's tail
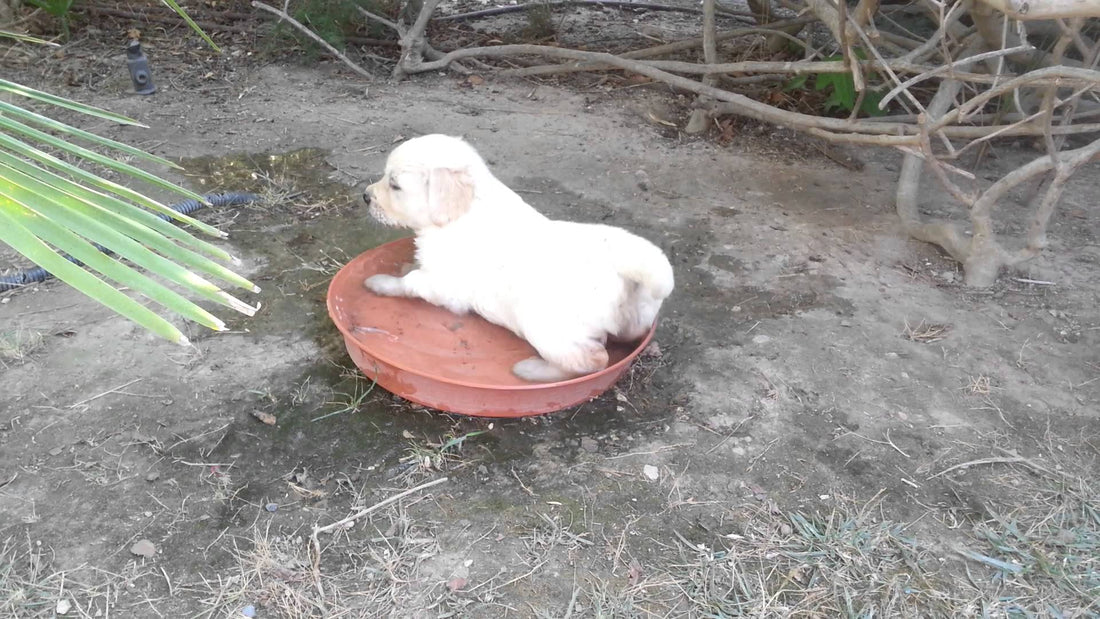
641	262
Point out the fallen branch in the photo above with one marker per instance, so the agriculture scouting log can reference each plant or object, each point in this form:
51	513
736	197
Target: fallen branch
379	505
519	8
840	130
949	69
665	49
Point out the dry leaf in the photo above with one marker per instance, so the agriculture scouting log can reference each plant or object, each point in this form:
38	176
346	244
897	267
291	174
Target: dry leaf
475	80
265	417
456	583
634	574
657	119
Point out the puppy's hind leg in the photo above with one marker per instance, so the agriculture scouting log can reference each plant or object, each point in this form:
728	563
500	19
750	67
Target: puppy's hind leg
562	360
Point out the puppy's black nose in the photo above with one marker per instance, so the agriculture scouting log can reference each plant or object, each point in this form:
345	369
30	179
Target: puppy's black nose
365	198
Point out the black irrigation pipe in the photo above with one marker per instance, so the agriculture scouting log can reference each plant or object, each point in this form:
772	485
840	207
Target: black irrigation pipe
618	4
38	274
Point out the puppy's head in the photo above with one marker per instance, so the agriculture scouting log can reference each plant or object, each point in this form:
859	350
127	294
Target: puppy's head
429	182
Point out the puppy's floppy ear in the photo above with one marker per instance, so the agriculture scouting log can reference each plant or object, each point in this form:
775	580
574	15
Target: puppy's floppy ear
450	193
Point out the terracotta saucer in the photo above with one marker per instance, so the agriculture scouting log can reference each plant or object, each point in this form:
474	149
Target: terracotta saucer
459	364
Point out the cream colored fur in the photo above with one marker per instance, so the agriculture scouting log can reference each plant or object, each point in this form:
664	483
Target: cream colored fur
564	287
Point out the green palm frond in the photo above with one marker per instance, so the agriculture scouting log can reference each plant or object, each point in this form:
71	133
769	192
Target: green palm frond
50	207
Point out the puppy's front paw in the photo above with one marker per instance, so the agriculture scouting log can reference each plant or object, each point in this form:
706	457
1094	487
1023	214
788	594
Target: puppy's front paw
385	285
538	370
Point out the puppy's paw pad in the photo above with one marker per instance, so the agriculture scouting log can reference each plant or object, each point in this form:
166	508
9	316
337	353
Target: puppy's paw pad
385	285
538	370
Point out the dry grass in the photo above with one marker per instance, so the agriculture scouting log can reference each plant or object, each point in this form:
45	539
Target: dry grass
1041	560
17	345
979	385
926	333
847	563
30	586
1041	557
423	458
368	570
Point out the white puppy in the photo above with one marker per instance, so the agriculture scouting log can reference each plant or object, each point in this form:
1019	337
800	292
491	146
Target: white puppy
564	287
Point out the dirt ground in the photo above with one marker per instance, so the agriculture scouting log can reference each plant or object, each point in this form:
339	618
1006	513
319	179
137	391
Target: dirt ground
838	427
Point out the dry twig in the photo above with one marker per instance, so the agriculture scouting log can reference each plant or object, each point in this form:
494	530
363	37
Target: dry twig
283	15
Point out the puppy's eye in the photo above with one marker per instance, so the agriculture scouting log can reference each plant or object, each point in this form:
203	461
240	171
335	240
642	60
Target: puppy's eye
394	186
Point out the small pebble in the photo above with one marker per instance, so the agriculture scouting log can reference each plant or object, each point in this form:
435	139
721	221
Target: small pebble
63	607
272	507
249	611
761	339
152	476
651	472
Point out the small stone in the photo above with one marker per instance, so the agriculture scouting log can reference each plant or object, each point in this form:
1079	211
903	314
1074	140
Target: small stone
589	444
784	529
947	277
651	472
846	323
63	607
152	476
143	548
891	355
761	339
249	611
272	507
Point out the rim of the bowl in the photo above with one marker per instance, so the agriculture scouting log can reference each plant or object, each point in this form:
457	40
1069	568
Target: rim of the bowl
634	352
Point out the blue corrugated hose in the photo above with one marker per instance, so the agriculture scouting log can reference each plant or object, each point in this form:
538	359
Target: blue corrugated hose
38	274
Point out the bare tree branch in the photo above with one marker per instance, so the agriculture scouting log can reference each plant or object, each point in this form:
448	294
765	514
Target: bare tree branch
306	31
979	70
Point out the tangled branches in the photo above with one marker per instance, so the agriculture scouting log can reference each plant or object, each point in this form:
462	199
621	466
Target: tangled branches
999	68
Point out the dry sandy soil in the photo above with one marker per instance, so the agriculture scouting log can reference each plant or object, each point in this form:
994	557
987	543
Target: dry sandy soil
838	426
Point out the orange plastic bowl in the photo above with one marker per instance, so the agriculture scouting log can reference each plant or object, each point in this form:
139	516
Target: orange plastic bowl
455	363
